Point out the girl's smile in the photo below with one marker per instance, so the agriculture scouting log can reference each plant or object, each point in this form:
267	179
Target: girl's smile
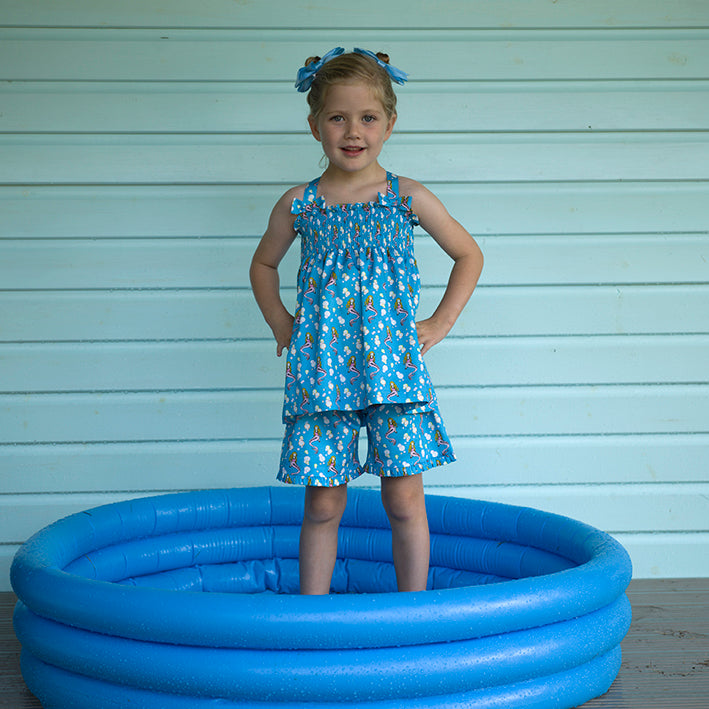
352	127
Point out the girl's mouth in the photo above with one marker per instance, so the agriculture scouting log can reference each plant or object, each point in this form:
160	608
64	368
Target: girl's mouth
352	150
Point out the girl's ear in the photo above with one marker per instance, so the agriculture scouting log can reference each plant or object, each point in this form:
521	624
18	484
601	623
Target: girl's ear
314	128
390	127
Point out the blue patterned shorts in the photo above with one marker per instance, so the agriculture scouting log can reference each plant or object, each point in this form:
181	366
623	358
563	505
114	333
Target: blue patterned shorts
322	448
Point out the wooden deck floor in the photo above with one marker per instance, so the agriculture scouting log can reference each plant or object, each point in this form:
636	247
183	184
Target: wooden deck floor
665	654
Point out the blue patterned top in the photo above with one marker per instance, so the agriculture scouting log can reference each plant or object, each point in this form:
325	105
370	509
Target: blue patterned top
354	342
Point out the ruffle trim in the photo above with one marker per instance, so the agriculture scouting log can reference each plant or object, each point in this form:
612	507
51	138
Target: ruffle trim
302	207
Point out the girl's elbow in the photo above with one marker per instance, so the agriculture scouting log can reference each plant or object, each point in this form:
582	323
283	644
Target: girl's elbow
477	255
256	272
474	256
253	268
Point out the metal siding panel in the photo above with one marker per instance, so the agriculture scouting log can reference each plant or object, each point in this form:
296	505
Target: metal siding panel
667	555
545	208
428	54
675	508
571	137
493	411
231	313
223	262
621	508
453	14
431	157
251	364
232	107
481	460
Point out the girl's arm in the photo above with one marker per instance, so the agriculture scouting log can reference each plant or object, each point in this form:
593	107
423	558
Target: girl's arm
467	263
265	282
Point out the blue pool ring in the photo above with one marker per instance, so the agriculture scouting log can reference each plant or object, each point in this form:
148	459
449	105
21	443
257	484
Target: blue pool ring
187	599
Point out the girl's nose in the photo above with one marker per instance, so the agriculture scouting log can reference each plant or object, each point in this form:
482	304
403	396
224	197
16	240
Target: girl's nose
352	130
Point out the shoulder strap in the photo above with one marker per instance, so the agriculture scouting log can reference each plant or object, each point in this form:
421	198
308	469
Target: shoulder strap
311	190
392	186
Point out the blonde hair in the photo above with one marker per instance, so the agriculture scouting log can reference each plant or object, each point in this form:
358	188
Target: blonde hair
352	67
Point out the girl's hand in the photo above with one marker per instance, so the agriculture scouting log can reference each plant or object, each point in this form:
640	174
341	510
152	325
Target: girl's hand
264	269
283	331
461	247
430	332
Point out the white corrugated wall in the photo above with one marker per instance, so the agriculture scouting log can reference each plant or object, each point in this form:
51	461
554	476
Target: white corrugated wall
142	145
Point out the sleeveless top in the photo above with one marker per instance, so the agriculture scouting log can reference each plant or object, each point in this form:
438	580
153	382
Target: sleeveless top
354	341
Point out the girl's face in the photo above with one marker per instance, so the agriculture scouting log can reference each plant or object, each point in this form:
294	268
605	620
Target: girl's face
352	127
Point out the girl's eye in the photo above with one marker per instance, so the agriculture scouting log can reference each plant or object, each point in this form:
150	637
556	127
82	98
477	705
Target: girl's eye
369	119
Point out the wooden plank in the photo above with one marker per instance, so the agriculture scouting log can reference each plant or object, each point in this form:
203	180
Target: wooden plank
205	263
103	211
665	653
426	54
489	460
27	316
86	107
248	364
433	157
172	416
455	14
13	691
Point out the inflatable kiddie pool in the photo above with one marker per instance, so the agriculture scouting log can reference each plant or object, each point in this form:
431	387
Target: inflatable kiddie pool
190	600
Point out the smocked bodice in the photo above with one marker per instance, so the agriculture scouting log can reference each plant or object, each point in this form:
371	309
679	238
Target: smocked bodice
354	342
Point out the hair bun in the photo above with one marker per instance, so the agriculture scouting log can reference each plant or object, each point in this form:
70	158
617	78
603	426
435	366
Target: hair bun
384	57
310	60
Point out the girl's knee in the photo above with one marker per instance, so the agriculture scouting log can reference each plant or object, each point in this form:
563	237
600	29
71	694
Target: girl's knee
325	504
403	498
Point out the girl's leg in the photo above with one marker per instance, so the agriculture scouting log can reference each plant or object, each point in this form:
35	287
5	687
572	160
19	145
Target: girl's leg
404	502
318	537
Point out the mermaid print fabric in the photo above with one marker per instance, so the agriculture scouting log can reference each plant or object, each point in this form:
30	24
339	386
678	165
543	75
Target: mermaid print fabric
354	342
354	357
322	449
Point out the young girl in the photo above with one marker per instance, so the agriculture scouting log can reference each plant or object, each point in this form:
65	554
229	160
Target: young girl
355	351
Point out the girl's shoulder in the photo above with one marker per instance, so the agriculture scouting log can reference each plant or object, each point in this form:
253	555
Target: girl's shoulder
297	192
431	212
407	186
420	195
286	200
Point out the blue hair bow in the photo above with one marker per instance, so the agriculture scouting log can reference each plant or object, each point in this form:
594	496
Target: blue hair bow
306	74
397	75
